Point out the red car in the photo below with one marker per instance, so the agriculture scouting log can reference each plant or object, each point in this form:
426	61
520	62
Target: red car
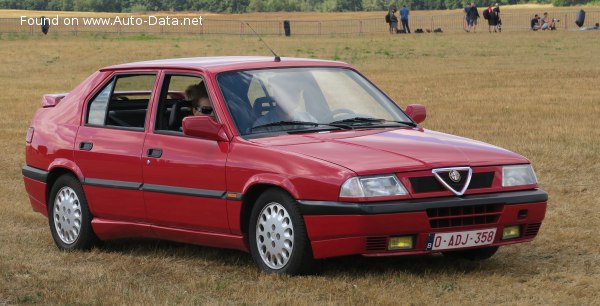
292	160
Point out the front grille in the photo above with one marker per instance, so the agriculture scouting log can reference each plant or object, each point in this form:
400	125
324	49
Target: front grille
532	229
464	215
377	243
455	185
430	183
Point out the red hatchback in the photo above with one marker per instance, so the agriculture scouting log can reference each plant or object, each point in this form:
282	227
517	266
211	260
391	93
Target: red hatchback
291	160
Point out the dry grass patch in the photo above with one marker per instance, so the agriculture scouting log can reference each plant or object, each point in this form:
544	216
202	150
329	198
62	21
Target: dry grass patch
534	93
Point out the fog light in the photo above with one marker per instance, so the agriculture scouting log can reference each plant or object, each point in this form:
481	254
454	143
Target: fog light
400	243
511	232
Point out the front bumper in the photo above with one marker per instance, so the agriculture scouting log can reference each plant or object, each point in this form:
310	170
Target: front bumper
340	228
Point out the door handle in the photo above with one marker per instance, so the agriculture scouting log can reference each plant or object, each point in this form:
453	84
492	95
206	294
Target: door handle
85	146
156	153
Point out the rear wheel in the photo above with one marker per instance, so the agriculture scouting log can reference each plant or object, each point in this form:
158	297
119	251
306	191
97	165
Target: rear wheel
277	235
474	254
68	215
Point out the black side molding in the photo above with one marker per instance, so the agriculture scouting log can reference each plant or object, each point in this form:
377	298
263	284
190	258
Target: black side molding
111	183
390	207
35	173
193	192
183	191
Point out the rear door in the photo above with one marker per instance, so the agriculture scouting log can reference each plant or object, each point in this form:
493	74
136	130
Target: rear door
108	147
184	177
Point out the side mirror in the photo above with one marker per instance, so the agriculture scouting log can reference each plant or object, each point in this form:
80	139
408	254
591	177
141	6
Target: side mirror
204	127
416	112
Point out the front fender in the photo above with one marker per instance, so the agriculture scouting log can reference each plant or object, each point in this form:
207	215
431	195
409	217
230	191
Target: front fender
272	179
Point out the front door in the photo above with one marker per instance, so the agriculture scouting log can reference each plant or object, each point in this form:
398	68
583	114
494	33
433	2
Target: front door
184	177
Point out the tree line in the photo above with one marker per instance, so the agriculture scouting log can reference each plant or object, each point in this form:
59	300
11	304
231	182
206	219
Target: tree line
241	6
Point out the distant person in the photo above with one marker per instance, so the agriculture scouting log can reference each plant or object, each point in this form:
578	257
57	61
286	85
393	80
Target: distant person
548	23
473	16
535	23
404	19
493	17
496	15
467	20
393	19
487	14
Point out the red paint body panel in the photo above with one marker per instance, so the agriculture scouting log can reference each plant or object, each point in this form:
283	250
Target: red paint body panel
218	240
36	191
344	235
115	155
304	178
111	229
189	163
397	150
192	172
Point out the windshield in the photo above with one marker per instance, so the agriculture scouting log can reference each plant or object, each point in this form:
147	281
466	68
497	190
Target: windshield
285	100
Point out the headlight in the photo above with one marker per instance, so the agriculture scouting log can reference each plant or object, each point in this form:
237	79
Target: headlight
372	186
518	175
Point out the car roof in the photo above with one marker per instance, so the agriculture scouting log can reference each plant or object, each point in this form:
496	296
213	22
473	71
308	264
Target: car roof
226	63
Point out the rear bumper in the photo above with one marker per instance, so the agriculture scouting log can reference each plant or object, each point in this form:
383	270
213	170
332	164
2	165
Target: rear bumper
337	228
35	185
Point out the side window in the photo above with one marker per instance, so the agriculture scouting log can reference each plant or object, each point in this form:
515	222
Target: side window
123	102
182	96
97	112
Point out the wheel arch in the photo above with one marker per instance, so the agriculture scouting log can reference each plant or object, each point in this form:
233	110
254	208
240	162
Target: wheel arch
249	197
57	169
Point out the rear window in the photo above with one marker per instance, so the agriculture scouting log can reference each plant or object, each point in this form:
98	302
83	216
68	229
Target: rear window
122	102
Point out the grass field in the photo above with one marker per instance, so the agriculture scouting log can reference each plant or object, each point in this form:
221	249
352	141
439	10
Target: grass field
534	93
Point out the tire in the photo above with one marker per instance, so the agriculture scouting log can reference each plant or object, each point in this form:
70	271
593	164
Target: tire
277	235
474	254
68	215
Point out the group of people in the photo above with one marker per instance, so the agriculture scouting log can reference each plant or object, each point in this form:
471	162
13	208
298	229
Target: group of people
546	23
491	14
392	19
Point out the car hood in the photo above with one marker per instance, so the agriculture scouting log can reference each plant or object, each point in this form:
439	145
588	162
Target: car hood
380	151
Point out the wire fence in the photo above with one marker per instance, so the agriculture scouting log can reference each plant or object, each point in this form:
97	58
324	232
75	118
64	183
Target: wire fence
209	26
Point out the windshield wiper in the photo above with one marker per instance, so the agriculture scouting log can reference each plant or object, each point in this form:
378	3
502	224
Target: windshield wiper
285	123
371	121
358	120
313	126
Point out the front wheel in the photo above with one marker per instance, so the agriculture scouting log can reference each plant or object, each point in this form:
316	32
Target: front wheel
277	235
68	215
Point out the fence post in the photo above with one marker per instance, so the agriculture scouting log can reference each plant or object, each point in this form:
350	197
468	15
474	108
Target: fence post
76	26
565	21
241	28
31	30
431	28
360	29
319	28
